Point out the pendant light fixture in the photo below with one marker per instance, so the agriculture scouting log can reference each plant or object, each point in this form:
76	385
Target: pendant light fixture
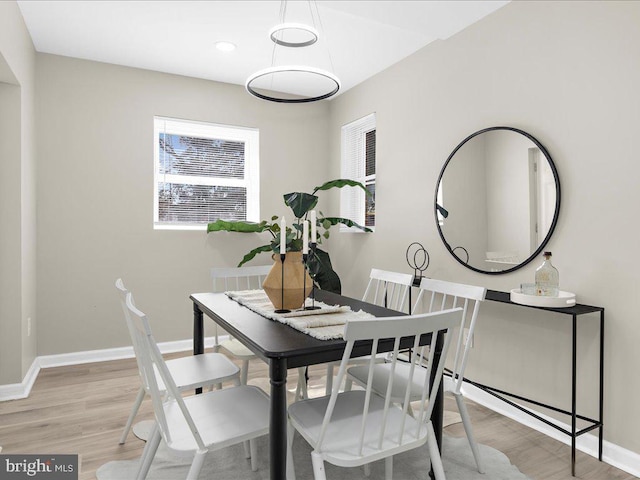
294	83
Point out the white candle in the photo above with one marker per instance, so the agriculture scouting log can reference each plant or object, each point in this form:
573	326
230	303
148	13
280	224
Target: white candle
283	236
313	226
305	237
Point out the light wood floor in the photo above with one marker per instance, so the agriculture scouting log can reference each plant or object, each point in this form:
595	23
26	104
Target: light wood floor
82	409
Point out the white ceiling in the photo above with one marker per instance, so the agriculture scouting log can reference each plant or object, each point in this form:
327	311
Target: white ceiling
357	38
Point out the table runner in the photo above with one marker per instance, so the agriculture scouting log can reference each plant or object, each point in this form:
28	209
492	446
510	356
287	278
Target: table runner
327	323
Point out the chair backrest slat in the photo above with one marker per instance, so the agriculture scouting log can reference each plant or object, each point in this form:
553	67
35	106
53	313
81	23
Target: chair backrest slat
390	289
367	398
395	329
424	413
387	398
454	295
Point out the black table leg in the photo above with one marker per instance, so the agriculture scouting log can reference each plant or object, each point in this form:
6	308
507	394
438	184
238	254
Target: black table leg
198	334
437	416
601	409
278	419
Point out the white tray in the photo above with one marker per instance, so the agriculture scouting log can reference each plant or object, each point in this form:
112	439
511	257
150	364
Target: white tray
564	299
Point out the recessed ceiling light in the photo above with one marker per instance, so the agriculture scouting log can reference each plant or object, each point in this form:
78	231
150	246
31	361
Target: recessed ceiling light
225	46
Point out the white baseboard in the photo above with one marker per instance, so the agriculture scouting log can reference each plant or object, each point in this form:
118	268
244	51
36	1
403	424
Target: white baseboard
588	443
16	391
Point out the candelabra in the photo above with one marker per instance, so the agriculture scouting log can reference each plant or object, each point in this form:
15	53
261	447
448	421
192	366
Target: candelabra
282	309
313	284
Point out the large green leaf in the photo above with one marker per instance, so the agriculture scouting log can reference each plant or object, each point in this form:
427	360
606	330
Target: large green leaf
322	272
249	256
339	183
237	226
345	221
300	202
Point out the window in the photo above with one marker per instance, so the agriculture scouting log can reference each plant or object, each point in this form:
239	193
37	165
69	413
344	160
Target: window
358	158
204	172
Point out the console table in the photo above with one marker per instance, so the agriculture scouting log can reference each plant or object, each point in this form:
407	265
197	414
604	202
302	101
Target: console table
574	312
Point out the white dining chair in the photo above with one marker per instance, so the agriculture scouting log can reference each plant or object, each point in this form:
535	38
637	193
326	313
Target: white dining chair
189	373
198	424
357	427
387	289
245	278
237	278
438	295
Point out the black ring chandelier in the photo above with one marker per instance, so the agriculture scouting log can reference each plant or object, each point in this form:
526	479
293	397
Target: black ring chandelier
305	36
276	34
317	72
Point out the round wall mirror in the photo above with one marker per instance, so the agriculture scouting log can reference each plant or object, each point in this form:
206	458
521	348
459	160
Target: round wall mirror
497	200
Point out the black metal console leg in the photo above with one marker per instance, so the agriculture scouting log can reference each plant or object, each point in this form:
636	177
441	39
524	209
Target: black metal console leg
198	334
573	394
438	406
601	411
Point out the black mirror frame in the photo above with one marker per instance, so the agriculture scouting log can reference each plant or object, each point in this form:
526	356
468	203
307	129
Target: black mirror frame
556	212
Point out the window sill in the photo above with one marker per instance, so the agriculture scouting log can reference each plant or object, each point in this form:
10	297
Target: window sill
164	226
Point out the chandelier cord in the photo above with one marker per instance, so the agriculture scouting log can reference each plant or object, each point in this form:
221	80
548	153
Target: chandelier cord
324	34
283	13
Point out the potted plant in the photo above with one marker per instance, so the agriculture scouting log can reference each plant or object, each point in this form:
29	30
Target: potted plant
301	204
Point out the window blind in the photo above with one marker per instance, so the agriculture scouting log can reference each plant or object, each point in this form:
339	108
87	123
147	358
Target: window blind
204	172
358	163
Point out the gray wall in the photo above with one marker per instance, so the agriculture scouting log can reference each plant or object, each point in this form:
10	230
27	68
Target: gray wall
568	73
17	197
95	195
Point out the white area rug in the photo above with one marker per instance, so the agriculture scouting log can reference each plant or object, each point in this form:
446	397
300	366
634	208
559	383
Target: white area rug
143	429
230	464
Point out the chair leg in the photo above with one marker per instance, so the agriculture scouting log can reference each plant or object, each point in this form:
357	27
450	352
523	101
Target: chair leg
329	385
196	465
434	453
388	468
301	388
348	384
318	466
466	422
149	453
244	372
247	449
367	469
132	415
253	448
291	472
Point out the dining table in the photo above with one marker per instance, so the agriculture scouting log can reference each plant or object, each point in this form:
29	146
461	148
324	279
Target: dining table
283	347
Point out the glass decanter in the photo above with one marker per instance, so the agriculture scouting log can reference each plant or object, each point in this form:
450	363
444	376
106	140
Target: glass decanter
547	278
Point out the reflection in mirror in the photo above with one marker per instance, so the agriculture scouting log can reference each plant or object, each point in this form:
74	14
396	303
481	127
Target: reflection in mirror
497	200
